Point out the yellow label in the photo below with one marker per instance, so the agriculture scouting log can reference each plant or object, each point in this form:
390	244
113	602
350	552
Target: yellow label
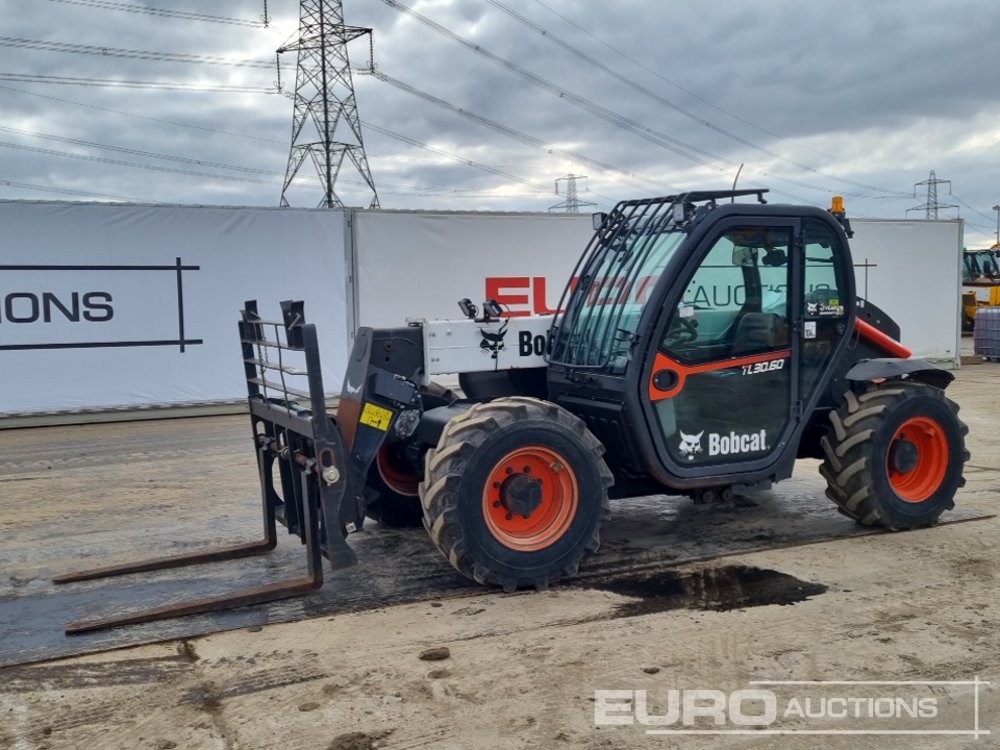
376	416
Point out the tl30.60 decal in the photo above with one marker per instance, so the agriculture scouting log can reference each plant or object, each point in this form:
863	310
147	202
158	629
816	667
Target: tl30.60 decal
770	365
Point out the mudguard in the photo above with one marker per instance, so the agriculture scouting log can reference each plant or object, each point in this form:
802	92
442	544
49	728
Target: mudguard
889	367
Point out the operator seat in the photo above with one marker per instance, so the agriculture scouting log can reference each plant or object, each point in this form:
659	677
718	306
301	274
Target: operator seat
760	332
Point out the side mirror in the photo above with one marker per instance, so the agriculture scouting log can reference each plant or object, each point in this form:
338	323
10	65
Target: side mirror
599	220
775	257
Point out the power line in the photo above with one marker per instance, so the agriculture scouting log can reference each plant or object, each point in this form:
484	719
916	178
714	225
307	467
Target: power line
505	130
163	12
134	54
623	79
455	157
465	161
539	144
120	163
142	117
663	140
115	83
668	142
371	126
67	191
676	85
974	210
673	106
382	131
138	152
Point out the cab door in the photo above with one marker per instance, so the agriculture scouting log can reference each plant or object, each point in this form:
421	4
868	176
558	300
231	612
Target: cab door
827	295
724	379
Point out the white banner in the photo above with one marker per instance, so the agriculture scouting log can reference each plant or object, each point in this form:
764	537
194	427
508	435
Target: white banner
913	271
417	265
117	306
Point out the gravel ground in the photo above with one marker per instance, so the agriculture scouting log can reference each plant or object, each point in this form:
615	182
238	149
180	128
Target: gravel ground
520	671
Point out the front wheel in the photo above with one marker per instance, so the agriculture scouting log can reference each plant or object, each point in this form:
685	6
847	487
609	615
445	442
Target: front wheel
896	455
515	492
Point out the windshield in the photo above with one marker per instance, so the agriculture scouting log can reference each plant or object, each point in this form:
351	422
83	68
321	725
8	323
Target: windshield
980	263
614	281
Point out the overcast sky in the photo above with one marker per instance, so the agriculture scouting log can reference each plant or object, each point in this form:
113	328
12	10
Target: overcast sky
856	97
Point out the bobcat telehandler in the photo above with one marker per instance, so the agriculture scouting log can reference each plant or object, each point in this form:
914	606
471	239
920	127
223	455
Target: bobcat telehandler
703	345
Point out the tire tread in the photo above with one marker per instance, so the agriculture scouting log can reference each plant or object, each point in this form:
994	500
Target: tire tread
461	437
849	460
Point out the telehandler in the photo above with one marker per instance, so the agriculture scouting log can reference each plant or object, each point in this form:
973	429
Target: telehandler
980	284
703	344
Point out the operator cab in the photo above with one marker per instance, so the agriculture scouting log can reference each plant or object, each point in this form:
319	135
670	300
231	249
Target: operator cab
712	322
979	265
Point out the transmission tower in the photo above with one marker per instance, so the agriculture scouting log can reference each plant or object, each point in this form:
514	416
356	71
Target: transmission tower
326	128
572	203
931	206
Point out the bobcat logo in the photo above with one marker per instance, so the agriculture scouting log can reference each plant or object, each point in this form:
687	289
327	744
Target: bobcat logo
812	308
493	342
690	444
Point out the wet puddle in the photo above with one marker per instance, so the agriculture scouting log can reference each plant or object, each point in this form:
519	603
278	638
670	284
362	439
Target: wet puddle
717	589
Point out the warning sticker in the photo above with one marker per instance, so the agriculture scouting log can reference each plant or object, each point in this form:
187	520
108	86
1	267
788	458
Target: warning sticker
376	416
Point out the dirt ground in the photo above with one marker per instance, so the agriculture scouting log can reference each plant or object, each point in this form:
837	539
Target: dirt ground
521	670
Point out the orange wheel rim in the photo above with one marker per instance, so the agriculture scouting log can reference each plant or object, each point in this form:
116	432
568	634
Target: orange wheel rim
923	441
530	498
401	482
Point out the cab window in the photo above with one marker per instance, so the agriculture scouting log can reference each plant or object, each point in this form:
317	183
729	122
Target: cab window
737	302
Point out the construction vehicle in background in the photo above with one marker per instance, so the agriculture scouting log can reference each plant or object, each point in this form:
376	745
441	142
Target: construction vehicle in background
980	283
704	344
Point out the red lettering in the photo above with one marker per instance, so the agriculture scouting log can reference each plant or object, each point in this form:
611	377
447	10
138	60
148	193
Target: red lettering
538	295
608	288
503	289
645	284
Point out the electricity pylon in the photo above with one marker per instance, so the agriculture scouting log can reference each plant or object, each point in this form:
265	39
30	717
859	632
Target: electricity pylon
931	206
326	128
572	203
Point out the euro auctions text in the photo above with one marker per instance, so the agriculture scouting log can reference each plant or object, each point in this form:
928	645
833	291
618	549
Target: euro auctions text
813	707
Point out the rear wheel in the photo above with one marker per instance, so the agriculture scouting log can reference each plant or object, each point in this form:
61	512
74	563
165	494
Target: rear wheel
896	455
395	475
515	492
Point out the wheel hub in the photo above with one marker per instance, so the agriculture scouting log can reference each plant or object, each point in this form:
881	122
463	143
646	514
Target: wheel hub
917	459
530	498
904	455
521	494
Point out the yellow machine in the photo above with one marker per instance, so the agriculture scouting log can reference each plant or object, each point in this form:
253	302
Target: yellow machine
980	283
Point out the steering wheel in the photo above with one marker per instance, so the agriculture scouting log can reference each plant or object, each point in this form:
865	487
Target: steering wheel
680	332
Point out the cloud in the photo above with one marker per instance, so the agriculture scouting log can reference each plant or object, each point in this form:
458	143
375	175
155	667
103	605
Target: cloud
859	98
